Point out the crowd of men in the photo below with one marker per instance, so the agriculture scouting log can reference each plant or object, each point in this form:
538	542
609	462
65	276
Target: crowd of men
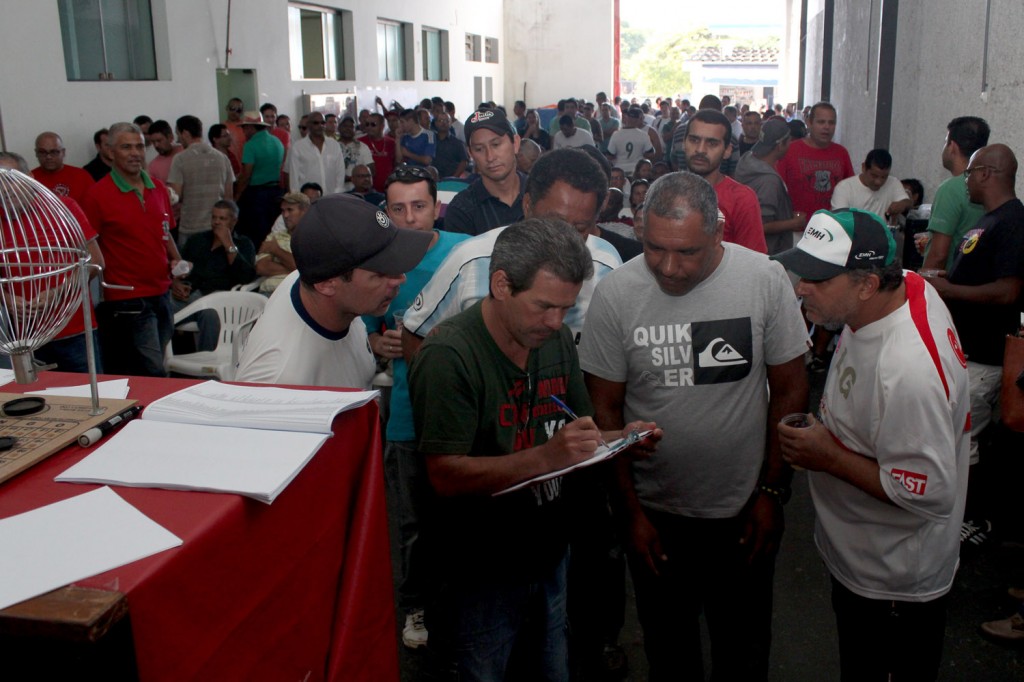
617	273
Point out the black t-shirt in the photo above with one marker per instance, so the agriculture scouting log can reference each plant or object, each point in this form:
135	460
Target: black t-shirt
992	250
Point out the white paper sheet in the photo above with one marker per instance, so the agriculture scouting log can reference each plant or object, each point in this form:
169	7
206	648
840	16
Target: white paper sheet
155	454
115	388
602	453
256	407
6	376
60	543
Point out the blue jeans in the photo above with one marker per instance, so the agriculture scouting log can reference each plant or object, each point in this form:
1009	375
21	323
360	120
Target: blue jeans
134	333
476	626
70	354
405	471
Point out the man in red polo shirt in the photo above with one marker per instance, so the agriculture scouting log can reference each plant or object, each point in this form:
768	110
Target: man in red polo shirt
58	177
131	212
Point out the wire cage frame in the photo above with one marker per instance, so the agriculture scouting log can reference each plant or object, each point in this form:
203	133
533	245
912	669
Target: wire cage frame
44	275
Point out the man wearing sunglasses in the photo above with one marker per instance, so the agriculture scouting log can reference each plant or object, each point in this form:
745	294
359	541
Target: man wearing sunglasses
316	158
383	148
235	108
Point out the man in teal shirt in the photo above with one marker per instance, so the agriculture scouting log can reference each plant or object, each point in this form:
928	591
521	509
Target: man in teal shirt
258	190
411	203
953	214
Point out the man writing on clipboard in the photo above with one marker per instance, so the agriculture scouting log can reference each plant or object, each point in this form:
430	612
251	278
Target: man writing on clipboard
482	388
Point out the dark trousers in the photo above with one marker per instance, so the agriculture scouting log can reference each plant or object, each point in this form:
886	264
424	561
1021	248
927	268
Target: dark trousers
888	641
134	333
707	572
70	354
258	208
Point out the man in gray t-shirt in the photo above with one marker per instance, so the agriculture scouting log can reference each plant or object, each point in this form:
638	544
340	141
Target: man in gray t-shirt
757	171
706	339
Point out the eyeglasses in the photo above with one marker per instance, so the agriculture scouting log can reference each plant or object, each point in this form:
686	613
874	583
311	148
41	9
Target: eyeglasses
369	125
236	110
49	152
991	169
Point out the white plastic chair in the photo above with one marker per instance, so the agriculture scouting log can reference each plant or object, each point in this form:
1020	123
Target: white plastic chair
238	312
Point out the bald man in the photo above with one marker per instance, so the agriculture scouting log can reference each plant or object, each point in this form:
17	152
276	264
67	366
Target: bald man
982	292
58	177
529	152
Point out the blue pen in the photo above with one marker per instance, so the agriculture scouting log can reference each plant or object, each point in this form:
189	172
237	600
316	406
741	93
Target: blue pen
572	415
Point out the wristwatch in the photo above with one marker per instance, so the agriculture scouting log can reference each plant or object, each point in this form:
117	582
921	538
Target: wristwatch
232	249
780	493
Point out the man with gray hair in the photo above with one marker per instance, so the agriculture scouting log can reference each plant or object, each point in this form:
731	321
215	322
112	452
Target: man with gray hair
503	366
131	212
705	338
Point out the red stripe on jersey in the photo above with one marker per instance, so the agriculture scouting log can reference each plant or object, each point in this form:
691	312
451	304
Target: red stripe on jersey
919	314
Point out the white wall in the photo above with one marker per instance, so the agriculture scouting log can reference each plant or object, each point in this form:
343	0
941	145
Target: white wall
37	95
557	50
938	76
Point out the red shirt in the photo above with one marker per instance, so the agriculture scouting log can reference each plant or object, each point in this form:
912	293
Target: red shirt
40	237
133	229
811	174
69	181
383	152
743	226
282	134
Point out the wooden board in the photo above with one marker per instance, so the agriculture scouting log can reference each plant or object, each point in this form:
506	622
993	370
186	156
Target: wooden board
58	425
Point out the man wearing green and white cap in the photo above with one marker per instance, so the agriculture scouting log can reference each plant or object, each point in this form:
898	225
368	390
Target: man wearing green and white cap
888	459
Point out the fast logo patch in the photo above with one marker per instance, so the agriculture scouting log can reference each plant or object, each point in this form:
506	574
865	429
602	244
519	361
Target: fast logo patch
914	483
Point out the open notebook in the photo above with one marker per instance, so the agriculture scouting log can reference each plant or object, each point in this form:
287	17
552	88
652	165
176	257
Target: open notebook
216	437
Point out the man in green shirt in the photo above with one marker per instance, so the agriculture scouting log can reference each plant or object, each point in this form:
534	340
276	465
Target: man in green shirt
953	214
258	190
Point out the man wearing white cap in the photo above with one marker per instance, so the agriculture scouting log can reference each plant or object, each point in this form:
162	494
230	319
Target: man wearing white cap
258	190
350	261
888	459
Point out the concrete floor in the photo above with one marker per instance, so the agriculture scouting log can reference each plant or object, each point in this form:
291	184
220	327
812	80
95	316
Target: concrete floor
804	641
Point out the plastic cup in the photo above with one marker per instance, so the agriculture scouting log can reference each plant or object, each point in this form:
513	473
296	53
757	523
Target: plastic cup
928	272
797	420
399	316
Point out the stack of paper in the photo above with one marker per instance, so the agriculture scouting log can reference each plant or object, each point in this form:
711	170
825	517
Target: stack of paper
115	388
219	438
256	407
60	543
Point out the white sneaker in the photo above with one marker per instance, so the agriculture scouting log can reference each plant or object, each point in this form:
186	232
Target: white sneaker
414	634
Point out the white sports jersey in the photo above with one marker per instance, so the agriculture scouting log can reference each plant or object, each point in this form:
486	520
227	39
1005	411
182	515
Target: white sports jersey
628	145
897	392
464	278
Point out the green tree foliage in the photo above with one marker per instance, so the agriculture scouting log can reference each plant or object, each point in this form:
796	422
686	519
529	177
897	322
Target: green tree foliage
631	41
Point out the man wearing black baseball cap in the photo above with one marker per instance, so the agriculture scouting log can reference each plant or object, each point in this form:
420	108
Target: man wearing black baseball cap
350	261
887	462
496	197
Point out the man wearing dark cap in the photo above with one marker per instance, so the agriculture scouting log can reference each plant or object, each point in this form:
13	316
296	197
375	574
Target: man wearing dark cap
351	260
496	197
756	170
887	458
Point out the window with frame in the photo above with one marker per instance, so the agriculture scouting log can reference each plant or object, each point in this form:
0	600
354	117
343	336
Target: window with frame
107	40
391	52
491	50
320	43
435	54
473	47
